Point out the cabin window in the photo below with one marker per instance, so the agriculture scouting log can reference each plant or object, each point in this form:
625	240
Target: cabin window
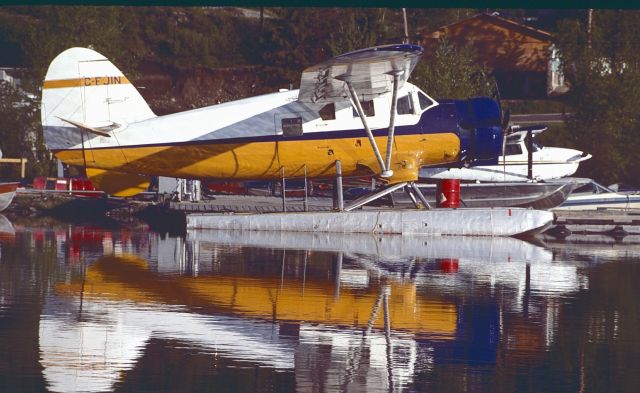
367	107
512	150
405	105
292	126
328	112
424	101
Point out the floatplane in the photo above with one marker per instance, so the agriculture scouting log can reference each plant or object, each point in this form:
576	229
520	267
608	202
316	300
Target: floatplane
527	174
514	164
354	115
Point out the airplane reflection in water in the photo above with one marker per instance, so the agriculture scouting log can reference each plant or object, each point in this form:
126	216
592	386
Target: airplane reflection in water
389	308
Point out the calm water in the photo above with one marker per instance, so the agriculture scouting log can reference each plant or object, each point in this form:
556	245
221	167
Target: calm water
125	309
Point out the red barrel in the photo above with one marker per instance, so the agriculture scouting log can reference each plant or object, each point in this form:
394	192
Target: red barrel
448	265
448	194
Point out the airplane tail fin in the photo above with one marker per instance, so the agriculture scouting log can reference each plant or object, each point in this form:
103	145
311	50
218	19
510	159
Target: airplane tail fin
84	96
84	87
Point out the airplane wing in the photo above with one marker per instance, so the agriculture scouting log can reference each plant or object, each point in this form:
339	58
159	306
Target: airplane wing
370	71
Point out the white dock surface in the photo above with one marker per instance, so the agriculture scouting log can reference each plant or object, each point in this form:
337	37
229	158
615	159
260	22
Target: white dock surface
467	222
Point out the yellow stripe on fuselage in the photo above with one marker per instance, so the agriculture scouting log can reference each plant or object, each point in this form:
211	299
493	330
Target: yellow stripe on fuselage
266	160
88	81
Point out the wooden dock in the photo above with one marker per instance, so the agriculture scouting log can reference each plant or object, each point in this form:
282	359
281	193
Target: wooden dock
613	222
252	204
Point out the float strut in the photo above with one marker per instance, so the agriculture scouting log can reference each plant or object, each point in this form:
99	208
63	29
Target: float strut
420	195
363	200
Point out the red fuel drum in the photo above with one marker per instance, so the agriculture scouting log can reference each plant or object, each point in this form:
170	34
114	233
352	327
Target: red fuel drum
448	193
448	265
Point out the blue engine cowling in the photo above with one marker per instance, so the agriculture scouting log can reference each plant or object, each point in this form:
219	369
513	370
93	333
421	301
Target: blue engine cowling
480	131
476	122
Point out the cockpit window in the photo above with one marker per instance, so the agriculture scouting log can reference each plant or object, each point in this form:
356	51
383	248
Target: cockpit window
367	107
424	101
405	105
328	112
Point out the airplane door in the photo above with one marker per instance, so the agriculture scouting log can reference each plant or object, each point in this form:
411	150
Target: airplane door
294	149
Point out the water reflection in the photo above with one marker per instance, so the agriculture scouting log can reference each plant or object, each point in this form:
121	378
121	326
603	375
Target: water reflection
306	302
125	309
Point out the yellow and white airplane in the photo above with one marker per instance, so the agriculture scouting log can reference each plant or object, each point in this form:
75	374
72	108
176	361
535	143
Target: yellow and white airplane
357	108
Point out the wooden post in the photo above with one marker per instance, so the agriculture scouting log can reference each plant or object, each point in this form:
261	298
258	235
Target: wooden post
22	161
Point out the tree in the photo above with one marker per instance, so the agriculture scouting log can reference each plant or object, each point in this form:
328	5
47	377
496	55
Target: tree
604	71
301	37
21	132
356	29
452	72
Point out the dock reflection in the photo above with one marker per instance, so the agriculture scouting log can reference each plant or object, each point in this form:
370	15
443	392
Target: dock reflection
339	312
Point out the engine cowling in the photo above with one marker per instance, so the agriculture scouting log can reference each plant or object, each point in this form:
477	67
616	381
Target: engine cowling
480	131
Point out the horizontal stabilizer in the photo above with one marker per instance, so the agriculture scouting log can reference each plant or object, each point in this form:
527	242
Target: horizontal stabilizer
85	127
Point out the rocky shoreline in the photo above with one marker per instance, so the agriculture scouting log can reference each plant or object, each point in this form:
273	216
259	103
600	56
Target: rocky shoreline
87	210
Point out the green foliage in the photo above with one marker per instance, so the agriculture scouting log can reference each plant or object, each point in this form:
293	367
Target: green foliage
21	133
294	41
356	29
453	72
184	37
58	28
604	96
301	37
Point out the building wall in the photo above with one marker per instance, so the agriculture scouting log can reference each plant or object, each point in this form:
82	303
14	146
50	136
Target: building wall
518	55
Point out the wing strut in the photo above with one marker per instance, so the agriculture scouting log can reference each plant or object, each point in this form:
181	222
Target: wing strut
386	164
392	118
356	102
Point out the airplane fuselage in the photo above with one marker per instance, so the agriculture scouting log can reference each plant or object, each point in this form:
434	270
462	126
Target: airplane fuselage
245	140
94	118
